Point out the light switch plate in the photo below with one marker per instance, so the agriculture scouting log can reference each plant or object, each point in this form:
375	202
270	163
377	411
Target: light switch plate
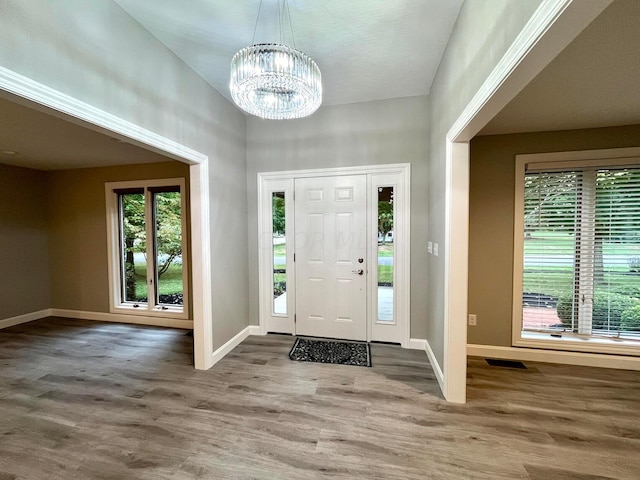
435	249
430	247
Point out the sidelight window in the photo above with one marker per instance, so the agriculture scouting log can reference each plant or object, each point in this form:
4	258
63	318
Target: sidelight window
386	253
278	231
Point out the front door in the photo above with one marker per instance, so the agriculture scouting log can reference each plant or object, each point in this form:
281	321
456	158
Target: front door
330	257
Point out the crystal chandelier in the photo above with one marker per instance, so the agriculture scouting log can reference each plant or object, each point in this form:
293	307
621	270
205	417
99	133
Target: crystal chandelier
275	81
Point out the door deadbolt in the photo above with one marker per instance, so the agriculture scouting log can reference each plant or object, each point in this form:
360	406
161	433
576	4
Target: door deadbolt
360	260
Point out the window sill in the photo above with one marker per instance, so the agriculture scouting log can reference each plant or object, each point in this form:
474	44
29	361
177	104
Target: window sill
175	313
575	343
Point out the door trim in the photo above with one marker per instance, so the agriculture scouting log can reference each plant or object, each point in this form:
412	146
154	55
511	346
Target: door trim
269	182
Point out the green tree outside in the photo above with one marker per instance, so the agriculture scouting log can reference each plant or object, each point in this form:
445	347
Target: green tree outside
168	230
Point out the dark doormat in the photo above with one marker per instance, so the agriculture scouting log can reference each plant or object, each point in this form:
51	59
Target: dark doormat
331	351
505	363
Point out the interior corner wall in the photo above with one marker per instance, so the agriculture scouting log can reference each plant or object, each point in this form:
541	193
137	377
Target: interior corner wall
95	52
77	213
491	217
24	245
481	36
368	133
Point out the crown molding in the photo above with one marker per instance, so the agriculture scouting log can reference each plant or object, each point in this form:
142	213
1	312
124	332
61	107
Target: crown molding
94	118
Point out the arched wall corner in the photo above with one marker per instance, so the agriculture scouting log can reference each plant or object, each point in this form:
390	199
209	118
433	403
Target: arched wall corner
554	25
33	94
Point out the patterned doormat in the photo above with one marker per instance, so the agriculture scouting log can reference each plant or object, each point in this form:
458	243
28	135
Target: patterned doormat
331	351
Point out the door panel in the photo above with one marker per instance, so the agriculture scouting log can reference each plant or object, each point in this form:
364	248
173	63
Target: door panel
330	237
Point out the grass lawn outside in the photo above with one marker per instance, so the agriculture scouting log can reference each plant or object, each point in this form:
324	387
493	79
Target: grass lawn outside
557	280
385	275
563	243
170	282
383	250
385	272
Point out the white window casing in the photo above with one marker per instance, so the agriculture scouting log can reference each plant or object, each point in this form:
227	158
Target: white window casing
583	176
114	227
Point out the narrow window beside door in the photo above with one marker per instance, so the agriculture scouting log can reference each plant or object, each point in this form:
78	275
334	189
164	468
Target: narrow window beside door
147	247
279	253
386	251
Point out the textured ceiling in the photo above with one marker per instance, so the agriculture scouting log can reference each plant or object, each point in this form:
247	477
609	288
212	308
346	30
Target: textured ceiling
594	82
366	49
46	142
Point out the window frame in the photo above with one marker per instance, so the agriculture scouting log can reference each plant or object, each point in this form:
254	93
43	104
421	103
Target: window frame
559	161
151	309
271	321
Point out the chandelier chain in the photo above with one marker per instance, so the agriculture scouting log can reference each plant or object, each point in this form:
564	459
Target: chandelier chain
293	38
280	10
283	10
273	80
255	28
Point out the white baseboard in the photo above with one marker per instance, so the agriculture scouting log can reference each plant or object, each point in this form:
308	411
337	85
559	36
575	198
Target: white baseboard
27	317
255	330
423	344
554	356
417	344
437	370
221	352
119	318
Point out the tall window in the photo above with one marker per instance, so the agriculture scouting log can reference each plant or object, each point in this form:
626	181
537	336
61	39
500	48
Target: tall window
147	247
386	252
581	262
278	222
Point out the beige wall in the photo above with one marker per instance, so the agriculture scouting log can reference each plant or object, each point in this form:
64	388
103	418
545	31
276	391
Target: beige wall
78	230
482	34
24	246
491	217
95	52
368	133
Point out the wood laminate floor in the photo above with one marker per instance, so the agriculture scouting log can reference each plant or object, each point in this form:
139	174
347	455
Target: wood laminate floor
87	400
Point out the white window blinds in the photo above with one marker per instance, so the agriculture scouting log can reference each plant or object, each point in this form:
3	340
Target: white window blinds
582	251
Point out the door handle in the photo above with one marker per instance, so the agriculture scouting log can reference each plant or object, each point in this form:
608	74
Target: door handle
359	271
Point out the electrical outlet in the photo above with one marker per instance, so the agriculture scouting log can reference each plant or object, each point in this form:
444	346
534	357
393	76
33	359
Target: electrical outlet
430	247
473	319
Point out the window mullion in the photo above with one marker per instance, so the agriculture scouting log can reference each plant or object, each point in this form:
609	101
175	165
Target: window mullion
150	248
586	252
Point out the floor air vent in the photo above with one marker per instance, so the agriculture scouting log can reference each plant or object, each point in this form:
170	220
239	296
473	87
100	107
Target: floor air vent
504	363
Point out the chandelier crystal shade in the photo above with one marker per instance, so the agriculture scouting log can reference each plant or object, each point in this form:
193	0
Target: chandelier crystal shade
275	81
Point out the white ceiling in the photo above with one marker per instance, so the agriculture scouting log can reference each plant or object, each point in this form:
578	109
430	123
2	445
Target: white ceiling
366	49
46	142
594	82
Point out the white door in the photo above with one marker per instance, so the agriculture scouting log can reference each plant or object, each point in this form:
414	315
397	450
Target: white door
330	257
